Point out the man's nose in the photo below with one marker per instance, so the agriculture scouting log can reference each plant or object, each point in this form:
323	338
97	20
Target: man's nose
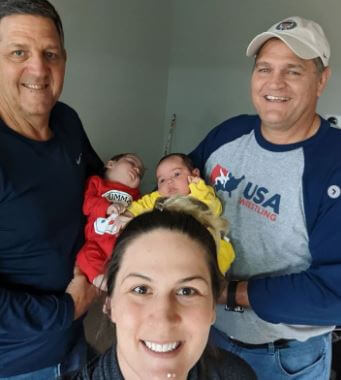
38	64
276	79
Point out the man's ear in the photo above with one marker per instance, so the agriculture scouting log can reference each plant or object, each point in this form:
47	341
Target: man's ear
109	164
323	80
196	172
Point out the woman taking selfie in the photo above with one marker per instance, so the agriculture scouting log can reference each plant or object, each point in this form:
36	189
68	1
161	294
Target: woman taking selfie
163	282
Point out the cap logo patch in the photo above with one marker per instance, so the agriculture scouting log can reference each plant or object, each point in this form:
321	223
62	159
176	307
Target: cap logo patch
286	25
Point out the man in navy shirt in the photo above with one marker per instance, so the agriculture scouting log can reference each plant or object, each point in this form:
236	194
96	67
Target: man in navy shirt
45	157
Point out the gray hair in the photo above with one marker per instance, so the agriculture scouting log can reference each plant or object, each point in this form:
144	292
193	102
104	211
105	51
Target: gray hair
319	65
41	8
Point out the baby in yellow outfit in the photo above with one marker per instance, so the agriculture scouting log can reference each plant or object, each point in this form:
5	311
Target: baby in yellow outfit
176	175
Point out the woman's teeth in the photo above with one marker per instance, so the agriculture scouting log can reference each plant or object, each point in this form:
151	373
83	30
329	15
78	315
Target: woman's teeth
156	347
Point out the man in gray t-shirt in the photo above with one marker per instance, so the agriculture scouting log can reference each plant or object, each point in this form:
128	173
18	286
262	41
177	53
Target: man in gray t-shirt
278	175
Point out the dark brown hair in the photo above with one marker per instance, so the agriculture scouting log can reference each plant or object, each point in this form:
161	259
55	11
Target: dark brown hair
117	157
185	159
173	220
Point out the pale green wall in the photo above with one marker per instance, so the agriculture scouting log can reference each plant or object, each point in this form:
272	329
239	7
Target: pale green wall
209	72
117	73
133	63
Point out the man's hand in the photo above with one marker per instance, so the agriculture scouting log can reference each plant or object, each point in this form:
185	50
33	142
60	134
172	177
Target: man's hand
242	297
82	293
223	296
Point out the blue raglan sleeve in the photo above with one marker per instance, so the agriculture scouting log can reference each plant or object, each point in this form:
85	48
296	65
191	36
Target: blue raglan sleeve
223	133
312	297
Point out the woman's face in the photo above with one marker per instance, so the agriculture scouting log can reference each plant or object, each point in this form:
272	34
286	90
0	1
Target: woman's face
162	305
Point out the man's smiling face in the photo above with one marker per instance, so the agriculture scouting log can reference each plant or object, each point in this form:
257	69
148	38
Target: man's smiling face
285	88
32	66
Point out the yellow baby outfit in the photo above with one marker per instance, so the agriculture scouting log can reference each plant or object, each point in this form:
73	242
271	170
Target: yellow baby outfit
205	194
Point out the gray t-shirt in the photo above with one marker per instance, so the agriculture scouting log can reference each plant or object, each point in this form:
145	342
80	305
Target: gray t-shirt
283	203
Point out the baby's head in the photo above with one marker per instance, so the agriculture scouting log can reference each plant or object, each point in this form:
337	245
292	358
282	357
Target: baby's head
125	168
172	174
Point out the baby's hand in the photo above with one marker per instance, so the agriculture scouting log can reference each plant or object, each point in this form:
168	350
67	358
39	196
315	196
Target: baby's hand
116	208
193	179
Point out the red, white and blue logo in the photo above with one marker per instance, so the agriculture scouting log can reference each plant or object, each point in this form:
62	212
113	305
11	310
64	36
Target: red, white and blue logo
254	197
222	179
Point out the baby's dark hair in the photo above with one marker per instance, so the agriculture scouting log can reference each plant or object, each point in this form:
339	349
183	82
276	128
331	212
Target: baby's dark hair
185	159
117	157
181	214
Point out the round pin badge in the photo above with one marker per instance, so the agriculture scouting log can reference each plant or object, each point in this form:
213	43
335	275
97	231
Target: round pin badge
334	191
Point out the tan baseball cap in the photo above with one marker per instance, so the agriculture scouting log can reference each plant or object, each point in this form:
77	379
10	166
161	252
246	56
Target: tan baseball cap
304	37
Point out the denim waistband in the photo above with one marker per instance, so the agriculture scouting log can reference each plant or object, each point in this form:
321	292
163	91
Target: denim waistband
280	343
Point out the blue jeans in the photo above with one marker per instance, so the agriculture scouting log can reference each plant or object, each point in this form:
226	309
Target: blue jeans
50	373
309	360
73	362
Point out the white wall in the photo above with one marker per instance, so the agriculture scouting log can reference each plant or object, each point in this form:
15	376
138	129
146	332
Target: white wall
209	72
117	73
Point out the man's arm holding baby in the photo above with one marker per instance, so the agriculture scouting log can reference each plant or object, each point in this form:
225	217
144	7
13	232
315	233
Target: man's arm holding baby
81	292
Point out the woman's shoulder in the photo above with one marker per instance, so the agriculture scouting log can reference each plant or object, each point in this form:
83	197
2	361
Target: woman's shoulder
102	367
218	364
215	364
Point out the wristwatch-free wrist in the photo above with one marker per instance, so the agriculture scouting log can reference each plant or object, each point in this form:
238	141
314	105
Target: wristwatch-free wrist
231	304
